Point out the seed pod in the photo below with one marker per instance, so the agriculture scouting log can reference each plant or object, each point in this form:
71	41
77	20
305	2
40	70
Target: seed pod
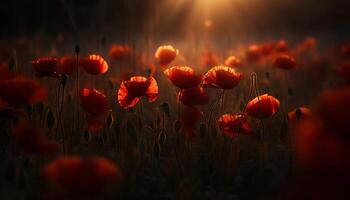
298	113
161	138
110	120
50	120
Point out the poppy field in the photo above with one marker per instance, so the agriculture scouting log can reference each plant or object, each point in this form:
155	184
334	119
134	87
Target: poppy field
100	117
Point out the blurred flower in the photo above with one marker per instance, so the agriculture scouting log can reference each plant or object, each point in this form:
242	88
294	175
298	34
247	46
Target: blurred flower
285	62
82	176
21	90
32	141
166	54
233	62
120	53
209	59
44	67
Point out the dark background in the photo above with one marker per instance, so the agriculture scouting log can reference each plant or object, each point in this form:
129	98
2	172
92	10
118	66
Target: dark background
129	17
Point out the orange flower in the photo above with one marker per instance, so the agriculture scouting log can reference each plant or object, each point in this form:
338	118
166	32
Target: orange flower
94	102
233	125
82	177
67	65
254	53
21	91
233	62
32	141
120	53
282	46
299	113
285	62
166	54
222	77
45	67
183	77
131	91
263	106
94	65
193	96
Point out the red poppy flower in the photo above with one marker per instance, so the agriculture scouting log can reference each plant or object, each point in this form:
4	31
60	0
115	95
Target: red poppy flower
254	53
45	67
183	77
209	59
94	65
263	106
193	96
32	141
67	65
299	113
189	120
285	62
233	62
94	102
82	177
131	91
120	53
21	91
166	54
233	125
222	77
